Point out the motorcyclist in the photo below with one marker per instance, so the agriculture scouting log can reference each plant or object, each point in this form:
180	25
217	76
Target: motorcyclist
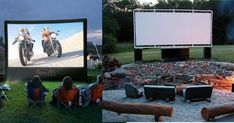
45	37
25	33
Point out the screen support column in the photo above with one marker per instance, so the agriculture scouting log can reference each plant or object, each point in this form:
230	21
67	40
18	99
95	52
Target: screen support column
137	55
207	53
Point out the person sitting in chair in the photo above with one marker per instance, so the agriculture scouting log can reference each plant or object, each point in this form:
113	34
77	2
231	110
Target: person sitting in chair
66	94
96	90
35	88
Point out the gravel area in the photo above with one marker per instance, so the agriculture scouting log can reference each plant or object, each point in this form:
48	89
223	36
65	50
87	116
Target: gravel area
183	112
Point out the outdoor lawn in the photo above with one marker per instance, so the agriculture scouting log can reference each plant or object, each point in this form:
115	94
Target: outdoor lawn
125	53
15	110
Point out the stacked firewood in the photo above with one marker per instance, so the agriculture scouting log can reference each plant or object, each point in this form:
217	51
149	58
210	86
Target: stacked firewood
216	81
110	64
111	83
113	77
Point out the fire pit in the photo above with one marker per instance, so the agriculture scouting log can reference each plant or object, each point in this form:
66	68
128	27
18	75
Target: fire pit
216	74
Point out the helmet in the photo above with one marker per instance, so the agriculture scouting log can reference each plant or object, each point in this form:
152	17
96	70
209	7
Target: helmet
45	28
22	29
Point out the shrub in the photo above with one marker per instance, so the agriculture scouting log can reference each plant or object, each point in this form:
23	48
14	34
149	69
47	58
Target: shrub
109	44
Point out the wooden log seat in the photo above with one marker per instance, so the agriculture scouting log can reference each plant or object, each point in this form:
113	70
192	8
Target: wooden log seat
209	113
136	108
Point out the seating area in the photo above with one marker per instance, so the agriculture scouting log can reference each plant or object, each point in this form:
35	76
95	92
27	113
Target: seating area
168	93
183	111
64	95
30	99
67	95
192	98
16	106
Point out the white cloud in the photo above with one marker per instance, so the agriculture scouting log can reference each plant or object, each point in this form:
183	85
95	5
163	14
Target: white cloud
147	1
95	36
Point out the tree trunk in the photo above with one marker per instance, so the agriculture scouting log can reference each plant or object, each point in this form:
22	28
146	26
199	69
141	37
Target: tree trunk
136	108
211	112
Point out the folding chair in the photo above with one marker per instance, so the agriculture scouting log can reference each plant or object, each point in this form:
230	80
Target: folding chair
67	98
3	90
36	92
96	91
34	97
84	97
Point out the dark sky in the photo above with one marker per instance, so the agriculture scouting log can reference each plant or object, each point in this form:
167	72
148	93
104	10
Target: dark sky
54	9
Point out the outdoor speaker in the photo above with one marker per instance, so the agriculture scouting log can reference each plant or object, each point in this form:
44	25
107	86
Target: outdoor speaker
138	55
207	53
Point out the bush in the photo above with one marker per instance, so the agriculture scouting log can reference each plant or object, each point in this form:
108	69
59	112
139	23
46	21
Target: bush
109	44
99	66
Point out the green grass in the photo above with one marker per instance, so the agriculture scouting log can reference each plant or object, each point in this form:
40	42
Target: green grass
123	47
125	53
94	72
16	111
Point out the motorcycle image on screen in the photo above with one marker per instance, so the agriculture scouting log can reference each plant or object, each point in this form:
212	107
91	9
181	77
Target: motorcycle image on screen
53	47
25	48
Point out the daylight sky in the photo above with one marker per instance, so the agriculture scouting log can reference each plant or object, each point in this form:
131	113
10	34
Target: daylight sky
54	9
152	1
147	1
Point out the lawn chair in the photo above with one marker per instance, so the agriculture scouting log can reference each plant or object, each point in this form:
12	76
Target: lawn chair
84	97
36	92
3	91
35	97
96	91
67	98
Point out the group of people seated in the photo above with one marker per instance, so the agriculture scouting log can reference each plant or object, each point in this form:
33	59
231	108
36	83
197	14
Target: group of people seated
67	94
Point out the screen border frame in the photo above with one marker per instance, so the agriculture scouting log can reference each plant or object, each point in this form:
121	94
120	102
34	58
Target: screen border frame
81	71
3	76
172	45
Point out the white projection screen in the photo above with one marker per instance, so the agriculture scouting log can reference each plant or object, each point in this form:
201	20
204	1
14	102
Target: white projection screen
172	28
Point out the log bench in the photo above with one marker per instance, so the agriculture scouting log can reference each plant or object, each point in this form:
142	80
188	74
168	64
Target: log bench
209	113
136	108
